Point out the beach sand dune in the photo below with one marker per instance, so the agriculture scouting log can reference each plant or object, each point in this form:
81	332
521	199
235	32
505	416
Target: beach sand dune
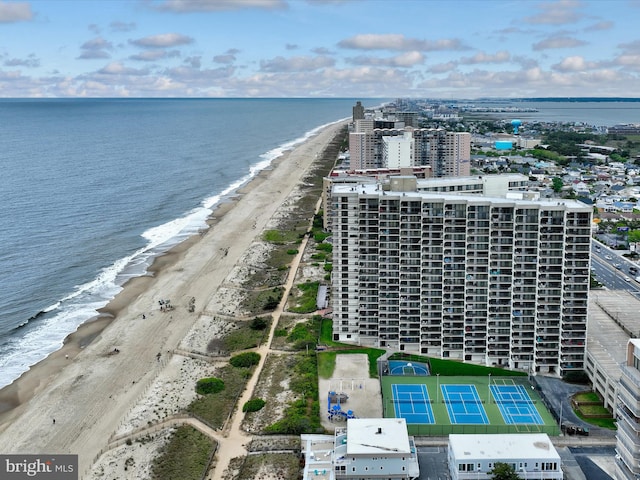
92	384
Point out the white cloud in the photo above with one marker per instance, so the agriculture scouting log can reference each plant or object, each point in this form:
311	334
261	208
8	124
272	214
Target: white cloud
443	67
630	47
97	43
603	25
408	59
482	57
398	42
227	58
187	6
193	62
295	64
628	61
117	68
556	13
558	42
574	64
122	26
15	12
96	48
164	40
31	61
153	55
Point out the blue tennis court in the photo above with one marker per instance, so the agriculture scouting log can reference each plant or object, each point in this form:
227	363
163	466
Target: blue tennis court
464	404
516	405
411	402
399	367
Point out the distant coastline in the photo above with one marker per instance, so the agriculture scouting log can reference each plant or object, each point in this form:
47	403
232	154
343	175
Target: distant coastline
539	99
580	99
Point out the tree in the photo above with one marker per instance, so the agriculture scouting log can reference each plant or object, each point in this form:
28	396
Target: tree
503	471
557	184
634	236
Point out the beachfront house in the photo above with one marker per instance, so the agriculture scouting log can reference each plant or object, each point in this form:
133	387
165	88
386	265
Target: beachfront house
365	448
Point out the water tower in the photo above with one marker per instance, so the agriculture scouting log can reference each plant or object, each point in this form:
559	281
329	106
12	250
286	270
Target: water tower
515	123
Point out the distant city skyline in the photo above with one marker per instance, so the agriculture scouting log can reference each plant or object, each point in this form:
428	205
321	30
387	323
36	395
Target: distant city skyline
319	48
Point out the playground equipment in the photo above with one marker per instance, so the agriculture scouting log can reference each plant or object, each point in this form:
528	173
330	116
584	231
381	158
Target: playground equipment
334	410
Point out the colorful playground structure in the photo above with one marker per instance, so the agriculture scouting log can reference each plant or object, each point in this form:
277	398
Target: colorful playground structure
334	408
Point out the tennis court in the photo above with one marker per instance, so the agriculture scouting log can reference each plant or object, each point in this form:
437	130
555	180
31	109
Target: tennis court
464	404
399	367
515	404
412	403
438	405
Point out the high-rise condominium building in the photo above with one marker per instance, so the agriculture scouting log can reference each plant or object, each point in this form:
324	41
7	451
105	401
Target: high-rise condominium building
358	111
447	153
490	280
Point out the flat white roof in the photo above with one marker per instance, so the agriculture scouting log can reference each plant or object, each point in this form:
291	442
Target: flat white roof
376	189
503	447
363	436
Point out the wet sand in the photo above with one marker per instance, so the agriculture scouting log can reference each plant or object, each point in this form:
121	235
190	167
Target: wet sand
86	386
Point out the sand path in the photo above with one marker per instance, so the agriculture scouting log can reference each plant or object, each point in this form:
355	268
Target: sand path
235	439
90	393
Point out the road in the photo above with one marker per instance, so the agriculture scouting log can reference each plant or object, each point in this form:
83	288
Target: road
613	270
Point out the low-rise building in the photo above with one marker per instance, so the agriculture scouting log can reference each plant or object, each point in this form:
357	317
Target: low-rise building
531	455
367	448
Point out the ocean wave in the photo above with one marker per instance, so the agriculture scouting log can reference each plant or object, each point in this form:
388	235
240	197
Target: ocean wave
56	322
22	352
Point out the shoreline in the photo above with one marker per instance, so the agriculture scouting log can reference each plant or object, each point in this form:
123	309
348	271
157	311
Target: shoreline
33	380
90	392
30	382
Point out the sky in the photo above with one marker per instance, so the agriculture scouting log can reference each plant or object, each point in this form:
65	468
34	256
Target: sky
447	49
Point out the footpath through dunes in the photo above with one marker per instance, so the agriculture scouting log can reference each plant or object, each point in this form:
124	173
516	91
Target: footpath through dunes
235	439
90	394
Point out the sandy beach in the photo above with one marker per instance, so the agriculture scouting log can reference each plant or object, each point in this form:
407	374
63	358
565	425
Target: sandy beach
93	387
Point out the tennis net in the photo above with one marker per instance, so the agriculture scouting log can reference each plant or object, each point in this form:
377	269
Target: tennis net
461	400
518	401
410	401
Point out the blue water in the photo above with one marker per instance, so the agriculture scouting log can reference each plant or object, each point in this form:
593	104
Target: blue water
92	190
594	113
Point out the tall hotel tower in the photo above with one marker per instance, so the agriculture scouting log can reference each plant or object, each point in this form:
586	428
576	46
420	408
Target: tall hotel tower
489	280
447	153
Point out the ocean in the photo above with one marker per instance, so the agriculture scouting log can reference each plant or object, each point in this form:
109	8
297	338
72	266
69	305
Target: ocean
94	189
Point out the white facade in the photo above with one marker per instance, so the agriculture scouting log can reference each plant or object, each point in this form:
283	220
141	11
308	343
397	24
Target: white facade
489	185
398	151
367	448
532	456
628	413
489	280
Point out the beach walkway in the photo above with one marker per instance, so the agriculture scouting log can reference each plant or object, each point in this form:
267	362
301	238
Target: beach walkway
235	439
88	390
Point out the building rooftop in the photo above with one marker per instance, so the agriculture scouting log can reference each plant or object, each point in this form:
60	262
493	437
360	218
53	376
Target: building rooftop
504	177
375	189
609	312
503	447
377	435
